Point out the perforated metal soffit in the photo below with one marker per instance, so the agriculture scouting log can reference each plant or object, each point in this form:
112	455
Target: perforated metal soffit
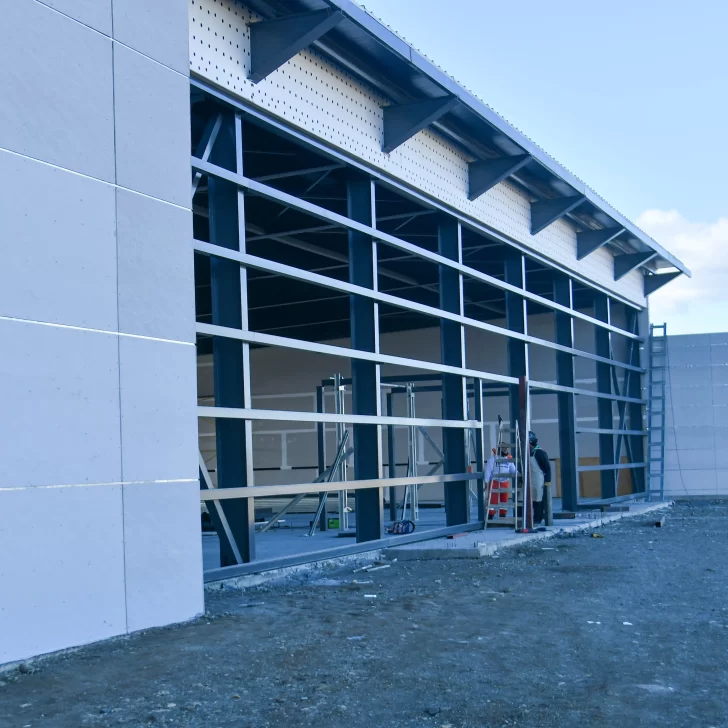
342	102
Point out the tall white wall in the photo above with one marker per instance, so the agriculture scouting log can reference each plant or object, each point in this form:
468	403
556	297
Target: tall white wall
99	532
696	457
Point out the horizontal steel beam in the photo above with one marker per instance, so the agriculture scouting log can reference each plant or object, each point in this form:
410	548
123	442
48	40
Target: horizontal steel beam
602	431
340	351
334	284
584	392
345	222
253	337
240	413
611	466
254	567
471	223
266	491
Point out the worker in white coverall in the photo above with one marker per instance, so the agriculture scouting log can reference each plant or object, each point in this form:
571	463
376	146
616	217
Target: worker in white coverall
540	478
498	466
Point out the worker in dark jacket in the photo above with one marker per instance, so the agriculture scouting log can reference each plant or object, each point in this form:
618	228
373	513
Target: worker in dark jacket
540	478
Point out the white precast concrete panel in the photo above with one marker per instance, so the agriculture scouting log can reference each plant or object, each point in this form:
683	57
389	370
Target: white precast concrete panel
42	276
151	107
156	276
56	90
59	418
66	429
313	94
154	28
94	13
696	462
163	553
158	410
61	568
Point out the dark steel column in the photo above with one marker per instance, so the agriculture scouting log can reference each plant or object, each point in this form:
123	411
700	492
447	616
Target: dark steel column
365	374
452	352
568	453
231	362
605	414
637	323
480	458
515	274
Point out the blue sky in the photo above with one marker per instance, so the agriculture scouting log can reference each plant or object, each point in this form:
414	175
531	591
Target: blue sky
630	95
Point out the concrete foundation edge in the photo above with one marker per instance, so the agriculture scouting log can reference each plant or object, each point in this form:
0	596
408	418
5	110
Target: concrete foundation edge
481	550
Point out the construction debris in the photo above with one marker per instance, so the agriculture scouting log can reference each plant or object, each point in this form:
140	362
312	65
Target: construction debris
376	566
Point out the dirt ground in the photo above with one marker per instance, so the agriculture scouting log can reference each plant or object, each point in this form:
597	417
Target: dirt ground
626	630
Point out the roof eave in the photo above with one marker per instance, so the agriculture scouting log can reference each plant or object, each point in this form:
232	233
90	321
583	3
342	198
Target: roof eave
395	44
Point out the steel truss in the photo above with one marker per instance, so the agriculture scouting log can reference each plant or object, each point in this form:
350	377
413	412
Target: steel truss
218	158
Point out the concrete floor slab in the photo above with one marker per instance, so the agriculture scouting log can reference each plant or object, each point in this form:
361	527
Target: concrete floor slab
479	544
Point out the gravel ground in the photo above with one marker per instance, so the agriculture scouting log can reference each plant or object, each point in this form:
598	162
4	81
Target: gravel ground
629	629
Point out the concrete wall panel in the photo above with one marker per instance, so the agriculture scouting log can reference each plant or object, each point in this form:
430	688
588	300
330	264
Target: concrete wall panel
719	375
690	356
720	415
158	417
698	396
719	355
152	127
704	459
94	13
163	553
679	483
157	29
156	278
688	417
58	266
64	545
58	102
62	568
60	415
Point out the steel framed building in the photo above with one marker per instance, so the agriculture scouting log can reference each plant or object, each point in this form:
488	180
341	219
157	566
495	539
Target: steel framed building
353	211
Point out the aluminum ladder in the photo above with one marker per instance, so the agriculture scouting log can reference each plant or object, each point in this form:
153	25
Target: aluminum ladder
656	412
493	515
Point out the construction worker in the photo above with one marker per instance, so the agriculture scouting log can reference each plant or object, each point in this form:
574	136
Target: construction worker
540	477
497	466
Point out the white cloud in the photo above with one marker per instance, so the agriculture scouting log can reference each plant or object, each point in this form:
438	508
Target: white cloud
698	304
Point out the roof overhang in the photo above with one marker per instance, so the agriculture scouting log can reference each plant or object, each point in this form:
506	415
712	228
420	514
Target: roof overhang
379	57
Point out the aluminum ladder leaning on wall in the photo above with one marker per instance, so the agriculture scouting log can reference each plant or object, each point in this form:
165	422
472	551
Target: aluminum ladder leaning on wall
656	412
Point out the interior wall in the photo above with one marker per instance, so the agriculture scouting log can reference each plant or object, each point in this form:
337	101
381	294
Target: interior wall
98	489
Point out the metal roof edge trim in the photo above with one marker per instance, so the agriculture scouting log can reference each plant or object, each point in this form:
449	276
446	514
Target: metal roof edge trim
384	35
